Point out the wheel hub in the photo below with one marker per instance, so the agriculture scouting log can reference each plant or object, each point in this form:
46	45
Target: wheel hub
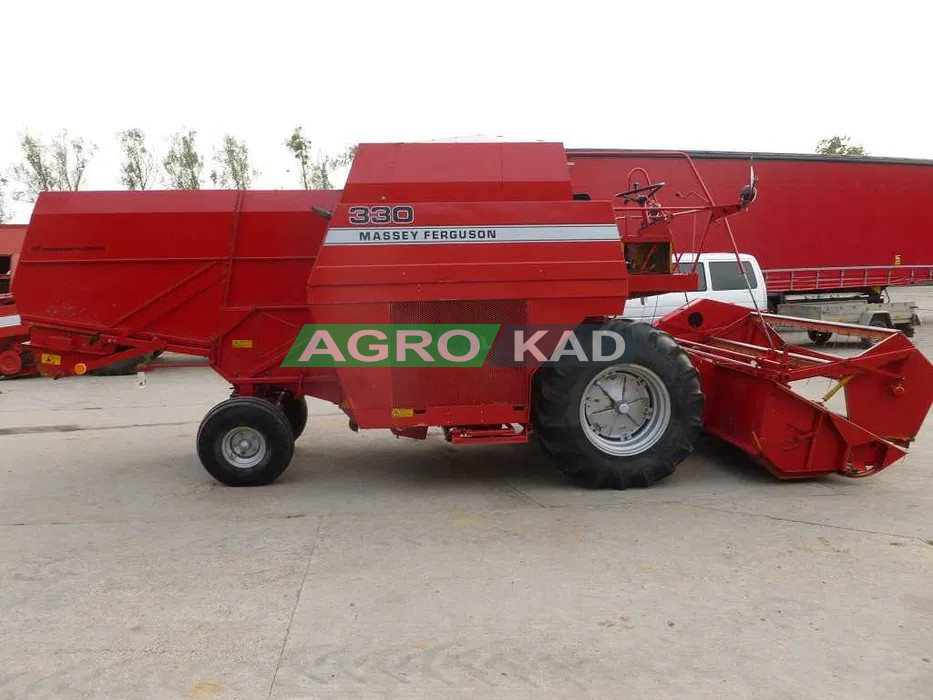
625	409
244	447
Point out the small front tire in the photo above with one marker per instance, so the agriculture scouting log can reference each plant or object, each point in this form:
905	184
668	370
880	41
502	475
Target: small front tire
296	411
245	441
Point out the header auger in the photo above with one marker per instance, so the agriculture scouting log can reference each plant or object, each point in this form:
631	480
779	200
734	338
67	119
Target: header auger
447	235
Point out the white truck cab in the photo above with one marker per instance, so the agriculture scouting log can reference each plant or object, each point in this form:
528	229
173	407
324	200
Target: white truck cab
719	278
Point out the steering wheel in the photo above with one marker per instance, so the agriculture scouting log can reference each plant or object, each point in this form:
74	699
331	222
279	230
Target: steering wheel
640	194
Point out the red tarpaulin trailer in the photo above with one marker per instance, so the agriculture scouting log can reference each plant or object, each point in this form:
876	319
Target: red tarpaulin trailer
820	223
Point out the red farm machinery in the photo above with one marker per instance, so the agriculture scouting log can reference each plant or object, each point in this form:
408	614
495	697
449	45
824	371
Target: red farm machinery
450	234
15	359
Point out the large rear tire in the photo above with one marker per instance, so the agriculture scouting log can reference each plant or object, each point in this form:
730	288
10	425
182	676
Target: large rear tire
625	424
245	441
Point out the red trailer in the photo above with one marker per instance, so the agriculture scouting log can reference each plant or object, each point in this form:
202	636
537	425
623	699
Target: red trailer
15	359
427	234
11	243
820	224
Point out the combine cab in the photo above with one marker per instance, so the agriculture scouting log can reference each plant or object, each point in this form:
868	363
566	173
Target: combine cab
442	238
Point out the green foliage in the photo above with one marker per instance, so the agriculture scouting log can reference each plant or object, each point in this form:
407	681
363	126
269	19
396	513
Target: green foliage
70	158
3	211
35	170
345	158
301	150
183	164
314	168
233	170
57	166
839	146
137	168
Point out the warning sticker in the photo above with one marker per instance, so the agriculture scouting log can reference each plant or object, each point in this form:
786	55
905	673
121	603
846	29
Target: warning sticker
50	359
242	343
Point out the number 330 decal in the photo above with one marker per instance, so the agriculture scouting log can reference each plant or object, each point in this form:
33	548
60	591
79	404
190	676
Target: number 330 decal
361	216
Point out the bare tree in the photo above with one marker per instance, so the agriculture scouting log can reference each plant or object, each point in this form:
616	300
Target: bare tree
314	167
183	164
137	169
58	166
233	170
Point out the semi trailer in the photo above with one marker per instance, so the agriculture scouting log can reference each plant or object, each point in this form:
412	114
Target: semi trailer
831	233
431	239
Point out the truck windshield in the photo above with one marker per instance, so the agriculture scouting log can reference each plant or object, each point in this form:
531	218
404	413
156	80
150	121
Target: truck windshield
726	275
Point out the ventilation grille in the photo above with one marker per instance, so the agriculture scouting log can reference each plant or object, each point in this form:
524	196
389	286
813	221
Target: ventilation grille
414	387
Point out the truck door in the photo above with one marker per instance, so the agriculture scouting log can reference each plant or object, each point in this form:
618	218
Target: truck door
728	285
650	309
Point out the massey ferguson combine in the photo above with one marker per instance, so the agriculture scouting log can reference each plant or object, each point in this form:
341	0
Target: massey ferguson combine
451	236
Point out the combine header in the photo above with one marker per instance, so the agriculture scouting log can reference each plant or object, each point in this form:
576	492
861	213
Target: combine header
450	237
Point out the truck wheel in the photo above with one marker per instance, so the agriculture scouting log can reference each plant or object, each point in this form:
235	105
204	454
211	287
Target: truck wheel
906	329
245	441
296	412
877	322
819	337
626	424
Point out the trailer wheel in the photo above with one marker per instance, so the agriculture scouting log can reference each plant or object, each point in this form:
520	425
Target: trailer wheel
819	337
296	411
877	321
245	441
625	424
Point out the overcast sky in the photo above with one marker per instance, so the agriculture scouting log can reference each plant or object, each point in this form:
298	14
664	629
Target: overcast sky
766	76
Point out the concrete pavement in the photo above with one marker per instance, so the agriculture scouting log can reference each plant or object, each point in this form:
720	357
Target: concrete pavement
386	568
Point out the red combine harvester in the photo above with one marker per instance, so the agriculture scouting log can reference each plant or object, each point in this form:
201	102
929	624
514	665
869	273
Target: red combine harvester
452	234
15	359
